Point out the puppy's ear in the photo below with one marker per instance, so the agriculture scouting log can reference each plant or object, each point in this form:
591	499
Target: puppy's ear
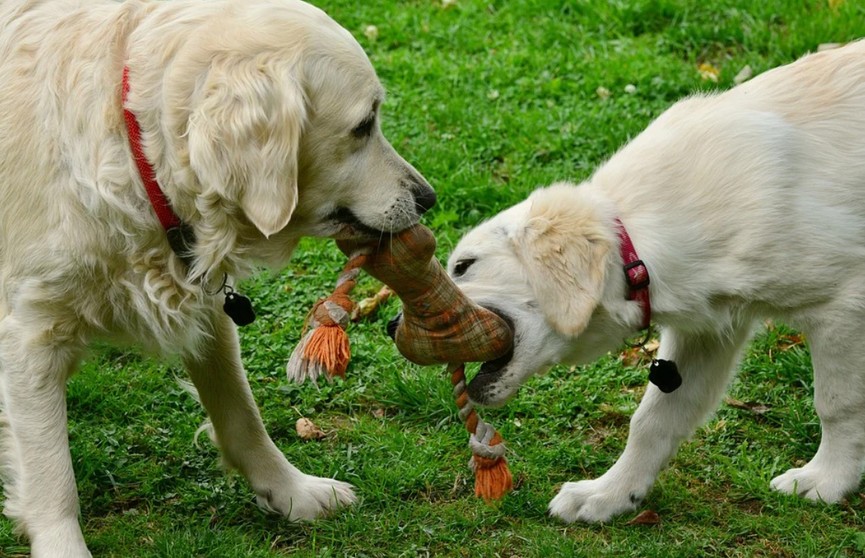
563	251
244	139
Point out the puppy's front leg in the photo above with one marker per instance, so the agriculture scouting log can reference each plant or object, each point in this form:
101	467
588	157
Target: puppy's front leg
35	361
660	424
839	399
219	377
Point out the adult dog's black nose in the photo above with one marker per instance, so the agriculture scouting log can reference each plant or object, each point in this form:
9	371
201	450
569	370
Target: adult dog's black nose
424	199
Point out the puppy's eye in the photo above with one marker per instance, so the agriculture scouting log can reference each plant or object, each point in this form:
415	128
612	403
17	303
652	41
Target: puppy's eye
364	129
462	266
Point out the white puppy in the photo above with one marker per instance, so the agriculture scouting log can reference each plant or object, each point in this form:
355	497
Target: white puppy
742	205
259	119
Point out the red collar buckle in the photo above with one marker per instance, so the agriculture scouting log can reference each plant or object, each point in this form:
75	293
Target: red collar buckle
636	274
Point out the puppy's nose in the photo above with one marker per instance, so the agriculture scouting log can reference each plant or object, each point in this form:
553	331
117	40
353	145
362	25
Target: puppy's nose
424	199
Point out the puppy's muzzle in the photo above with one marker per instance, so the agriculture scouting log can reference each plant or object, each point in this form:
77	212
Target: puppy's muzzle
481	387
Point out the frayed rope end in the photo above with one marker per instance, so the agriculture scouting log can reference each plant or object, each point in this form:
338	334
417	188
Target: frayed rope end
493	478
329	346
324	350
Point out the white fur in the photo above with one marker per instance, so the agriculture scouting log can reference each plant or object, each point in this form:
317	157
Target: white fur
247	109
743	205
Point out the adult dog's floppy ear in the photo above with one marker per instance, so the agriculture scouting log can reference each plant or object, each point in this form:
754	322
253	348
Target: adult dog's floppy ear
244	138
563	252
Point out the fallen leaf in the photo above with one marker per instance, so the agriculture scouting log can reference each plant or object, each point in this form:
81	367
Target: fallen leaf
371	32
378	413
787	342
307	430
756	408
646	517
637	356
744	75
369	305
709	72
632	356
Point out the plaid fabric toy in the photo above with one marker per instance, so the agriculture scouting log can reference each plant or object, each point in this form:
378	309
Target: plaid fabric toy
440	325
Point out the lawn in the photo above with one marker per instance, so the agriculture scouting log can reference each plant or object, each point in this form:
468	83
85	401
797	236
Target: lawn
488	99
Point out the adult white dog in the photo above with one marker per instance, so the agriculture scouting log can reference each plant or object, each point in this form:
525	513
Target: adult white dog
259	122
736	206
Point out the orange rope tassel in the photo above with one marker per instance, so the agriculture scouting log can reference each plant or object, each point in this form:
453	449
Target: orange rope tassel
329	345
324	348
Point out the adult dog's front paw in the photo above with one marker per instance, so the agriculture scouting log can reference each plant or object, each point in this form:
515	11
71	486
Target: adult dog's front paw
592	501
307	498
814	483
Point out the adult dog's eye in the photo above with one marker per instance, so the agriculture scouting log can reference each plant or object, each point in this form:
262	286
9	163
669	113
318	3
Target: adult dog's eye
462	266
364	129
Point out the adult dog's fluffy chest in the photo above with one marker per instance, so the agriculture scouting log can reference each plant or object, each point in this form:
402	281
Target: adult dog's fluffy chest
140	300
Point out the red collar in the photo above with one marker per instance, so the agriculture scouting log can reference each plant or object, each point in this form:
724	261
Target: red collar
161	206
636	274
180	236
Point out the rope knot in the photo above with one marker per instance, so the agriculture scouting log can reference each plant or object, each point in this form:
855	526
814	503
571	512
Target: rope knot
332	312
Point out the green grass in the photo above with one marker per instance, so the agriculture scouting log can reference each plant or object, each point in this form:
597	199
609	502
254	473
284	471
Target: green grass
489	99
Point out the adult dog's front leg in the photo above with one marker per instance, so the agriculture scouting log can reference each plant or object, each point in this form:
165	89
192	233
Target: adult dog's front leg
35	362
660	424
219	377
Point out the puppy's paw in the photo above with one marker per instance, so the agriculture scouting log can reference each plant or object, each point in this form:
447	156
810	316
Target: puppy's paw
307	498
592	501
815	484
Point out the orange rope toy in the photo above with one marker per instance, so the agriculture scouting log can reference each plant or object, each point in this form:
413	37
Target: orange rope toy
440	325
492	477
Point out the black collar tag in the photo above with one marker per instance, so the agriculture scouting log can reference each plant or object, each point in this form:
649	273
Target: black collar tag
238	307
665	375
